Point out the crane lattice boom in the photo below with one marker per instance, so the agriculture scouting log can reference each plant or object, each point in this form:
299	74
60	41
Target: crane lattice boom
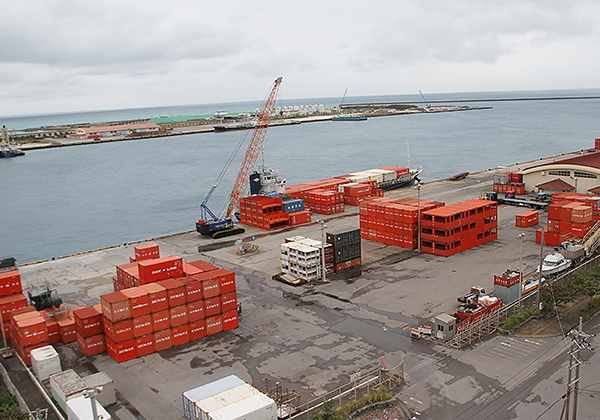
258	135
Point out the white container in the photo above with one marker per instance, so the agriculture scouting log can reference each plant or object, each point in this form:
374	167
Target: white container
202	392
107	396
66	385
80	408
248	404
44	362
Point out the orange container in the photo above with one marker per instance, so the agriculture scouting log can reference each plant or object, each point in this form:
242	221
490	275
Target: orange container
88	321
139	302
92	345
146	252
160	269
119	331
180	334
32	331
161	320
144	345
142	325
230	320
196	311
10	283
197	329
226	281
10	303
67	330
157	296
204	266
212	306
162	340
53	331
178	315
193	289
121	352
175	292
229	302
214	325
115	306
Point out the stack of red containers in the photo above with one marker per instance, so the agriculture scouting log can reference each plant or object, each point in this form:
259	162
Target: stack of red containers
90	330
263	212
527	219
146	252
356	193
11	297
147	271
118	326
566	220
448	230
28	332
324	201
510	181
391	221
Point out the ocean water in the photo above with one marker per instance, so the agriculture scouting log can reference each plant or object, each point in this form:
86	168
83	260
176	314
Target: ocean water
61	201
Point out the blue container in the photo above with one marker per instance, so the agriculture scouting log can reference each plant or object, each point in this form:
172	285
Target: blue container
293	206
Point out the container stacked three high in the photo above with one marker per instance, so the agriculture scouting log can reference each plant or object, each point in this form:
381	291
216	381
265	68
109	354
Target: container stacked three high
169	303
570	216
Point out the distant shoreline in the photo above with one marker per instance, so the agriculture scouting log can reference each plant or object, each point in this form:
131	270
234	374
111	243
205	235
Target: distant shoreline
439	101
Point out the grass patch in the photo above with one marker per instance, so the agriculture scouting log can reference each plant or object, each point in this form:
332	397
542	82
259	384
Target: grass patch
514	320
327	412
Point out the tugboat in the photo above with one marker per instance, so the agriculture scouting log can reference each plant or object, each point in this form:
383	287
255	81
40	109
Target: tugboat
6	149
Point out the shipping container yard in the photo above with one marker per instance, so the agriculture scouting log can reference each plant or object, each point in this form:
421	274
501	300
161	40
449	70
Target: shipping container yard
173	326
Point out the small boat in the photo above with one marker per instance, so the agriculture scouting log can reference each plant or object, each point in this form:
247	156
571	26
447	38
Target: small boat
554	264
6	149
531	283
349	118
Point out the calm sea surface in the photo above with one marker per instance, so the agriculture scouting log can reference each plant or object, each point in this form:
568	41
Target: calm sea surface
65	200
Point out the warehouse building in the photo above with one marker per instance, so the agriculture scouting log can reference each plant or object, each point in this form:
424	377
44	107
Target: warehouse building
579	174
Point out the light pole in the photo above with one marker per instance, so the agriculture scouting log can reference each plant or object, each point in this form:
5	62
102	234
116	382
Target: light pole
91	394
323	269
418	188
521	236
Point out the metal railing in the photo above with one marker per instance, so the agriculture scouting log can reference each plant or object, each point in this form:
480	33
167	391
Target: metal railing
484	326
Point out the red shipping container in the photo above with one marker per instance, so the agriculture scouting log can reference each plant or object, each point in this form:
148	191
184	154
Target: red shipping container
229	302
91	346
121	352
197	329
139	302
210	283
142	325
300	217
160	269
146	252
178	315
157	296
226	281
214	325
53	331
119	331
10	283
67	330
597	144
144	345
161	320
175	292
10	303
162	340
196	310
88	321
212	306
115	306
180	334
32	331
193	289
230	320
201	265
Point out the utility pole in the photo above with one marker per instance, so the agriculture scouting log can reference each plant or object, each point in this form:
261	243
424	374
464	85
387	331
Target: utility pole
323	269
418	188
580	341
539	289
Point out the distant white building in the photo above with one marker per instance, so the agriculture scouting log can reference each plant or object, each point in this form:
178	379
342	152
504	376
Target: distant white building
114	130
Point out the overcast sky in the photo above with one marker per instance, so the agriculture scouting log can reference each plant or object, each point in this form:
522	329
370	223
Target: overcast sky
75	55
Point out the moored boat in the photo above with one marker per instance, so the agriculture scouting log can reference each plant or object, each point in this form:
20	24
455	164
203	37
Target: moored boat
349	118
6	149
553	264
